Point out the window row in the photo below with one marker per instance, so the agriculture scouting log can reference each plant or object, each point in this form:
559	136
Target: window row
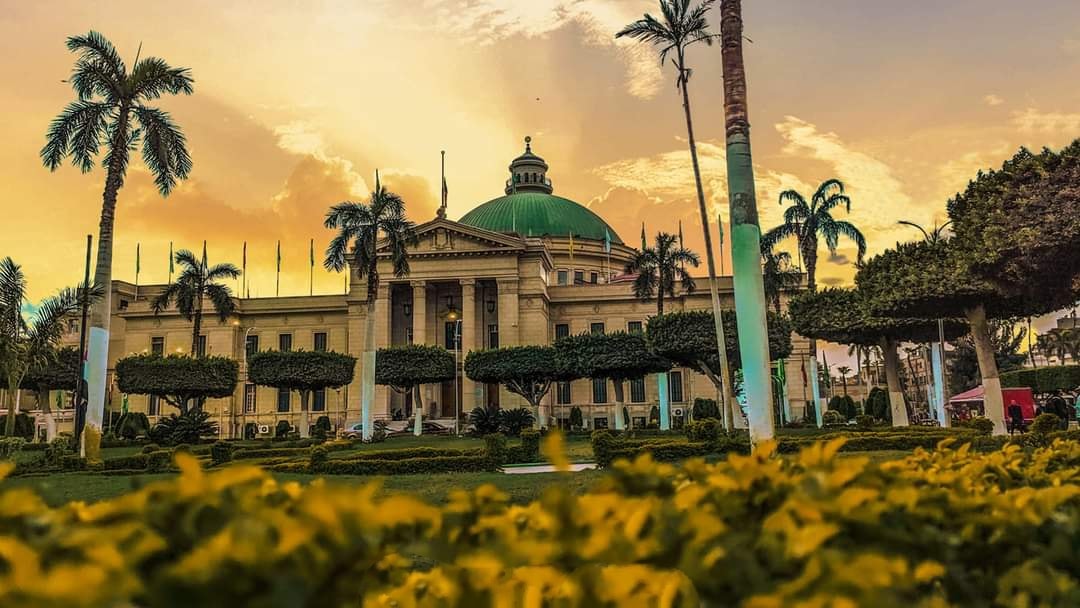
562	277
285	343
284	401
564	392
562	330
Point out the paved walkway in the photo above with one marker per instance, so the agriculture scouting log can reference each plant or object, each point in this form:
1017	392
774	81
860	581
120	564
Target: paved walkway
545	468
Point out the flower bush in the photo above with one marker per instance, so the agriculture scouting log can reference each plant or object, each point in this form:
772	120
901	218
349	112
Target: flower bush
938	528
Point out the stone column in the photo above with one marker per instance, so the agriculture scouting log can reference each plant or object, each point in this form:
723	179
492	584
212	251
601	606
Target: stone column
419	312
380	408
470	391
509	335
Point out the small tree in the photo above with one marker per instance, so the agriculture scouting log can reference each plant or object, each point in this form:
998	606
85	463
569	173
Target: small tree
687	339
58	374
527	371
617	356
843	316
184	382
406	368
302	371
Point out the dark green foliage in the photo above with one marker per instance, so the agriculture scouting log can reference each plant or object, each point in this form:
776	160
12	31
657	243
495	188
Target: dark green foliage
184	428
832	418
877	405
60	446
1019	227
576	419
59	374
495	449
516	420
150	447
323	423
159	461
403	367
688	339
1044	424
607	448
704	429
132	425
485	420
980	424
221	452
282	429
319	457
1044	379
842	315
24	425
180	380
527	371
301	370
617	356
251	430
844	405
407	466
864	421
255	453
9	446
705	408
603	444
530	445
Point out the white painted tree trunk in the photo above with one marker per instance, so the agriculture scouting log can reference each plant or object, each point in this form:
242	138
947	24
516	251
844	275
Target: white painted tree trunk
892	378
993	403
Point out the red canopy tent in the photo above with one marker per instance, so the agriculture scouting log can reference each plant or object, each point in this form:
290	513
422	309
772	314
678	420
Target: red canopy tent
972	400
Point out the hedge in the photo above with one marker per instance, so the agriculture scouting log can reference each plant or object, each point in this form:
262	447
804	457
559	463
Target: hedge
1044	379
251	453
407	466
936	528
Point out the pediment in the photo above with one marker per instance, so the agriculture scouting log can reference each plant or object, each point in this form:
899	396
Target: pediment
445	237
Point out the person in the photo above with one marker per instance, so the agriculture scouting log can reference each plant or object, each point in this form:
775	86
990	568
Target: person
1076	406
1016	418
1056	405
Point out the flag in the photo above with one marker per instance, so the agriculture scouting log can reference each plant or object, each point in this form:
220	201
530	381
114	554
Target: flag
571	245
204	254
244	257
138	260
445	192
171	267
607	241
681	244
644	245
313	253
279	256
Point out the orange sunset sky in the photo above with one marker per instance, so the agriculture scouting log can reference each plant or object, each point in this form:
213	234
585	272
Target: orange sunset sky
297	104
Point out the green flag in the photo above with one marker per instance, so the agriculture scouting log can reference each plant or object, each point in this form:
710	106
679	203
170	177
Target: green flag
644	244
312	253
138	258
171	267
279	256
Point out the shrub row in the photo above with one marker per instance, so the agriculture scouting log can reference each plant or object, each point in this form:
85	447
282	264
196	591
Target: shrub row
1044	379
406	466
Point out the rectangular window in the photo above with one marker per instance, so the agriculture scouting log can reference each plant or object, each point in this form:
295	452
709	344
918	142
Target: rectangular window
493	336
562	330
675	387
596	328
250	392
451	335
562	393
599	390
564	276
252	345
318	400
200	346
594	278
282	400
579	277
284	342
157	345
600	423
634	327
154	407
637	391
319	342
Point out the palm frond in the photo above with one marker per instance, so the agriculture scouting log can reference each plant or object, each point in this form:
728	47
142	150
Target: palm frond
93	46
220	297
153	77
90	77
164	148
222	271
770	239
76	122
850	231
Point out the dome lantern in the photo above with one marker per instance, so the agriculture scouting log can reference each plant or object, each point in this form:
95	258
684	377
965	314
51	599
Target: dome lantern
528	173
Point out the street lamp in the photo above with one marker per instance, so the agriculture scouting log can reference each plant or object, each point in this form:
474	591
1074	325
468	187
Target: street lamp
454	317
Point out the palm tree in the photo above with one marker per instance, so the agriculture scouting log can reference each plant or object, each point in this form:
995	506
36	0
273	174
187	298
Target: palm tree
659	267
196	283
360	227
810	221
681	25
933	236
778	275
843	370
111	109
25	345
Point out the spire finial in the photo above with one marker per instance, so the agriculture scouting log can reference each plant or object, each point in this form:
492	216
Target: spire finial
528	141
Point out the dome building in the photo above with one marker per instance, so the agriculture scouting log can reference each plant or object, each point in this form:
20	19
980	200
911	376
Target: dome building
526	267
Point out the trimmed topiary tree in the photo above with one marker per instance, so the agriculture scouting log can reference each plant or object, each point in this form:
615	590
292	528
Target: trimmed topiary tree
184	382
527	371
302	371
58	374
842	315
406	368
617	356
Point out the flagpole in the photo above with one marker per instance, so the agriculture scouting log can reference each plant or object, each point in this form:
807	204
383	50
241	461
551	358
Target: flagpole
170	262
311	270
243	286
720	233
277	276
138	254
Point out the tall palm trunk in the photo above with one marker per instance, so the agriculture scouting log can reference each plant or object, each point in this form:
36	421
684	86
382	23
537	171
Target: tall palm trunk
725	372
418	412
750	304
892	379
197	327
97	355
305	417
993	404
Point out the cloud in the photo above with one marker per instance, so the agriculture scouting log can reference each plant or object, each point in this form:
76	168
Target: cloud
993	100
838	258
1032	120
485	22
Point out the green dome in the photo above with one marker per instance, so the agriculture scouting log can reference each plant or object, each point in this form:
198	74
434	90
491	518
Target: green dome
539	214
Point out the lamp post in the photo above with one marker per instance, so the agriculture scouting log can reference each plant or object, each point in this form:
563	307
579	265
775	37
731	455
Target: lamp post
454	317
